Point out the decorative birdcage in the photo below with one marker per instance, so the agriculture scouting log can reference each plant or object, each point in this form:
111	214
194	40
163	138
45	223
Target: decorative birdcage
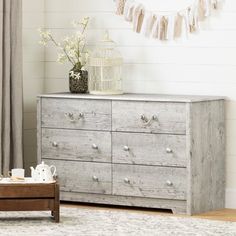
105	69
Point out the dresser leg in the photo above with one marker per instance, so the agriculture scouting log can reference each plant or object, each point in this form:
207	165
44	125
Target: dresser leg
56	216
179	211
56	212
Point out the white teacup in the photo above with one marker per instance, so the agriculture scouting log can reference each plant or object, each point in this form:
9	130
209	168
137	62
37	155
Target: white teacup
17	173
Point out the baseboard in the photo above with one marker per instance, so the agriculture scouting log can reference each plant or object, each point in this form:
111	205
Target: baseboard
230	198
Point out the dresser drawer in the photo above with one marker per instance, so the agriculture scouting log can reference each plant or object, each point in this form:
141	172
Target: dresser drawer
84	177
149	149
150	181
80	145
149	117
76	114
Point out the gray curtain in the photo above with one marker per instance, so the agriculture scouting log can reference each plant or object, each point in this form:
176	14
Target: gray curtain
11	101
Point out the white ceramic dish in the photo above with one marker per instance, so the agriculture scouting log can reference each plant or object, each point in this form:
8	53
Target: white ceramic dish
25	181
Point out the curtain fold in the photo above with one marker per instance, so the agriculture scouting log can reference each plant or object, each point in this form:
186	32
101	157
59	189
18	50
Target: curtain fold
11	85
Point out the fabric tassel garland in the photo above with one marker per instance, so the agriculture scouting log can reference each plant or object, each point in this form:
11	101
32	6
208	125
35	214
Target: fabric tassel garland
138	18
148	24
193	21
202	9
186	24
215	4
178	26
120	5
156	27
163	28
168	26
128	10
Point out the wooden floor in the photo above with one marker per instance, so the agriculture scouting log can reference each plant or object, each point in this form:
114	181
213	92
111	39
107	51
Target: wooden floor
224	214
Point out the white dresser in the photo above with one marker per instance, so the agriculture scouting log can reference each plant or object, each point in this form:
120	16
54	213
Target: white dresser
156	151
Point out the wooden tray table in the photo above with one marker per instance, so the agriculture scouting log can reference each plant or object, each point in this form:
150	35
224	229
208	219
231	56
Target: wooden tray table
30	197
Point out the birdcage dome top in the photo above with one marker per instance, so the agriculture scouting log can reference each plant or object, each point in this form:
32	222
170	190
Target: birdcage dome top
106	53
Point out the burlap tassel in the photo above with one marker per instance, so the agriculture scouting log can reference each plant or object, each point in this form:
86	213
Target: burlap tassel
186	28
207	8
149	24
138	18
192	26
163	26
171	27
140	21
128	10
201	9
178	26
120	5
215	4
156	27
204	9
195	20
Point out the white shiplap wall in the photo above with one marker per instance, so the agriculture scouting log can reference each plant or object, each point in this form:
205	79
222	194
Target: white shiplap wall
204	64
33	74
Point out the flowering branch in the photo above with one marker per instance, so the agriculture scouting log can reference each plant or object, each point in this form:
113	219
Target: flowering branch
72	48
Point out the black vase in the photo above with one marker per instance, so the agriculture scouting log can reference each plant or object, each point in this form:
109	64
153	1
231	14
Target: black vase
78	81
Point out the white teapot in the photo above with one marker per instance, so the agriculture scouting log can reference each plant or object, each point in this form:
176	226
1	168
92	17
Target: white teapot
43	173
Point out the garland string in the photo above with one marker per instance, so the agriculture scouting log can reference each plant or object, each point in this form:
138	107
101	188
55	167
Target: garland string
166	25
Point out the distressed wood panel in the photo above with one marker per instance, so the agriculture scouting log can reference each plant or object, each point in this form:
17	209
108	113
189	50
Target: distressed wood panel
39	129
149	149
177	206
96	115
27	191
149	181
76	145
26	204
85	177
171	117
135	97
145	174
207	157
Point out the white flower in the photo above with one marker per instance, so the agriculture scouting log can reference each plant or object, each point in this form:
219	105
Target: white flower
45	36
85	21
86	55
72	53
44	33
71	73
71	48
66	39
62	58
75	75
41	42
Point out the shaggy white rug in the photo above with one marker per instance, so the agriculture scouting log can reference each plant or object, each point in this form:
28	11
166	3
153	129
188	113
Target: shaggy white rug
103	222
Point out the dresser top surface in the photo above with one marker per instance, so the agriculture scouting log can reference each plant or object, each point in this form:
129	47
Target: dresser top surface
136	97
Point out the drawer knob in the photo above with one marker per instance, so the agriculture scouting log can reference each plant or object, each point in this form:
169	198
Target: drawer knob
144	118
126	148
81	115
154	117
70	116
54	144
94	146
95	178
169	150
126	180
169	183
147	121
